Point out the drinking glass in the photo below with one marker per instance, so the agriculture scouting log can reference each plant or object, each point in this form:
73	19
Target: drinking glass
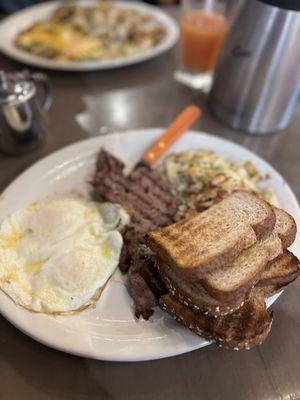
203	27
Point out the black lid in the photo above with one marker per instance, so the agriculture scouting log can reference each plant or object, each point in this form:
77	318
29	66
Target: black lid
285	4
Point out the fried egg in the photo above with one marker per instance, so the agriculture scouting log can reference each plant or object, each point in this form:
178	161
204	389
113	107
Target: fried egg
56	256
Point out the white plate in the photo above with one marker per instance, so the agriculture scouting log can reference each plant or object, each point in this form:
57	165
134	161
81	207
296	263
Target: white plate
110	332
15	23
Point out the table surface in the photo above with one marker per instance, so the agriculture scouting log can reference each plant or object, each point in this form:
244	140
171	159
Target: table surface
142	96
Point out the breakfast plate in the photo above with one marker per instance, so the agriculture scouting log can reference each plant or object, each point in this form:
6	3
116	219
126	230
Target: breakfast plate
109	331
14	24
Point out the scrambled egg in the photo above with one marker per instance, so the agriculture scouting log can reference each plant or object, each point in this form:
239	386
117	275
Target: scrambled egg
202	178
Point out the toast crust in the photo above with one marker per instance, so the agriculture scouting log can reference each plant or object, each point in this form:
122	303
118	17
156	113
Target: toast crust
282	271
245	328
289	236
279	273
188	294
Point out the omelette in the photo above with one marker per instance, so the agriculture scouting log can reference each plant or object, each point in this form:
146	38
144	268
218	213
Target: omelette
57	256
57	41
103	31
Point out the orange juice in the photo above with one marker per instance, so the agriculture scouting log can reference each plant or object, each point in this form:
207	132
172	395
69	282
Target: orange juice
201	38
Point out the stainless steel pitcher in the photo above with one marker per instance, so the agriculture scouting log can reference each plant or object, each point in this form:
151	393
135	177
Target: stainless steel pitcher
22	115
257	78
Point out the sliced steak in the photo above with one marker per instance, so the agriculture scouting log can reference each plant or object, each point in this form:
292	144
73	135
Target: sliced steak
147	197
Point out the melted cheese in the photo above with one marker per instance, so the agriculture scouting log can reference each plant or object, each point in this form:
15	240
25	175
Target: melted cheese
60	38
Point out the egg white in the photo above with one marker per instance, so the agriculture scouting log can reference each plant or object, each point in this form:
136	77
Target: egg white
55	256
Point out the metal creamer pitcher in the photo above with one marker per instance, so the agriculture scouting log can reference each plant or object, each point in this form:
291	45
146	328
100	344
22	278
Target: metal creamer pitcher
22	114
257	78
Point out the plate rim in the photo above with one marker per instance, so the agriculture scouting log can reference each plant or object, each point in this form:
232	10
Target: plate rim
11	51
97	140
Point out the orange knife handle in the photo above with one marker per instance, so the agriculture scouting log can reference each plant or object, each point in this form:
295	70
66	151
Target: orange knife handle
181	124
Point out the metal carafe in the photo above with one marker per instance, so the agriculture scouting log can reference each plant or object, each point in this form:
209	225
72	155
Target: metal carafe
22	115
257	78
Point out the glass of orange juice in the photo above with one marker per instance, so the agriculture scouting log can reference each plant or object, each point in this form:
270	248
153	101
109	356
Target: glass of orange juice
202	31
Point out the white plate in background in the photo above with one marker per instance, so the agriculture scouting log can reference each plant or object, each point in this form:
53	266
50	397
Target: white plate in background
11	26
110	331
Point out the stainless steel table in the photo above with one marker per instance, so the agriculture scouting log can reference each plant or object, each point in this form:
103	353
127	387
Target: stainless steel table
146	95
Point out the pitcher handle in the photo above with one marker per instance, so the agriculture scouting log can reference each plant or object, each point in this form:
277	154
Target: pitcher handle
42	79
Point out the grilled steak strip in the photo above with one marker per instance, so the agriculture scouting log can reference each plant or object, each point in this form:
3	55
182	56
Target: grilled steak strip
146	196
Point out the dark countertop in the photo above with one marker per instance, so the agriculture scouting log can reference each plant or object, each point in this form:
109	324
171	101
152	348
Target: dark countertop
140	96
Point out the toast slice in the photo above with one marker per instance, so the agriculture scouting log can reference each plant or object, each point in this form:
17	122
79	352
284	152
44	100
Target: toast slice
243	329
194	296
278	273
215	237
286	227
230	283
281	272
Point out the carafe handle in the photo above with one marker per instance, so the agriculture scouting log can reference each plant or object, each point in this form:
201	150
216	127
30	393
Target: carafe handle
42	79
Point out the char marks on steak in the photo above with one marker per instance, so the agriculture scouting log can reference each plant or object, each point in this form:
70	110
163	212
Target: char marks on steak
146	196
